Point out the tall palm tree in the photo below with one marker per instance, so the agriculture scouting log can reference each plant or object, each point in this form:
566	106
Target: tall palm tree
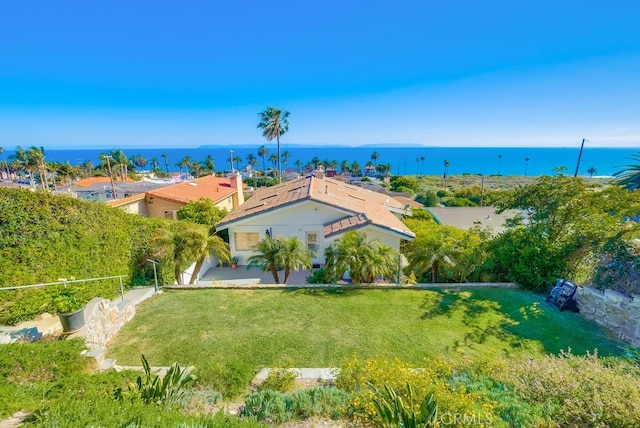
374	157
629	176
285	158
447	164
252	161
35	160
263	152
592	171
344	166
166	161
208	165
499	163
526	166
274	160
6	164
298	164
274	123
184	163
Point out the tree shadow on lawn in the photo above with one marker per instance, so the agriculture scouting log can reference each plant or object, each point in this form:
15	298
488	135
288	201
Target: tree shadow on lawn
324	292
515	317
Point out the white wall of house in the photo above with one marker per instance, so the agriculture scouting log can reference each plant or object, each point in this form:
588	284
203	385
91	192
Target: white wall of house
300	220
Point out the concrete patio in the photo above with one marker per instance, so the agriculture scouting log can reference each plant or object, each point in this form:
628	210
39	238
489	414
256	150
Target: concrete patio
254	276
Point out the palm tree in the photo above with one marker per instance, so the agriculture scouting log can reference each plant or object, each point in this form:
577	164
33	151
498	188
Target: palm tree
184	163
196	168
629	176
263	152
6	164
208	246
447	164
364	260
374	157
182	243
355	168
209	165
526	166
592	171
499	163
274	123
418	166
285	158
430	251
315	161
35	160
344	166
252	161
299	165
166	161
274	160
294	255
267	257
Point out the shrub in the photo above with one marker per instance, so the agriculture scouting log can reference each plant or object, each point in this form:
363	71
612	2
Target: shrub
153	389
319	276
392	410
578	390
280	407
428	199
280	380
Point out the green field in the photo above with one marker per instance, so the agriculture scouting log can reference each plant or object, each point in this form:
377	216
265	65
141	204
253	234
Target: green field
322	328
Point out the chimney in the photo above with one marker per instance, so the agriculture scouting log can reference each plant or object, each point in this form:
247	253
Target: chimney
319	172
236	183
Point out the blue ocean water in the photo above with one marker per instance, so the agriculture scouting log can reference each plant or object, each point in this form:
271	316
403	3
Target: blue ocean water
403	160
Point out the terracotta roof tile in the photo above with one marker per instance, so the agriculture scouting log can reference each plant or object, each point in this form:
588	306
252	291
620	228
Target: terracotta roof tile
215	188
345	224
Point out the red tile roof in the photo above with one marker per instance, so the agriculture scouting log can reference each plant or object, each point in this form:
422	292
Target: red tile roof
215	188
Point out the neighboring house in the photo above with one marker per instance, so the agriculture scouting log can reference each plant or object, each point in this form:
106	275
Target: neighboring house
164	202
467	217
316	209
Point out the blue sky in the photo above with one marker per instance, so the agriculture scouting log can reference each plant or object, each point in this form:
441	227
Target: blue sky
457	73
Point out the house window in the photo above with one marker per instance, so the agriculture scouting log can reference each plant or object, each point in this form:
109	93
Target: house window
245	241
171	215
312	241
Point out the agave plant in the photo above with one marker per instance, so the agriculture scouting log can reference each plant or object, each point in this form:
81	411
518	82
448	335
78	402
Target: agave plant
153	389
392	411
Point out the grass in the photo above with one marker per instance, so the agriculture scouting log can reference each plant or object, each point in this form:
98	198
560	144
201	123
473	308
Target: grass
322	328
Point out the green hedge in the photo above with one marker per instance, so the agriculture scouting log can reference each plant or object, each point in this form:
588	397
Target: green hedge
44	237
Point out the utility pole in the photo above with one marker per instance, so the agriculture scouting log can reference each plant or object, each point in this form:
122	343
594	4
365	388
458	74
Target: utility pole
579	157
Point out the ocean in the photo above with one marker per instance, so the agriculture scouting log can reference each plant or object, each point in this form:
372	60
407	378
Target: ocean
403	160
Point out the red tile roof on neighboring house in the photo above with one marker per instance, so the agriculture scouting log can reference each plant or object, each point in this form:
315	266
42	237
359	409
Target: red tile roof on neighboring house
364	206
215	188
85	182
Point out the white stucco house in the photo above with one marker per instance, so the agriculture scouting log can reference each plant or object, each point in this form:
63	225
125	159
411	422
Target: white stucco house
318	210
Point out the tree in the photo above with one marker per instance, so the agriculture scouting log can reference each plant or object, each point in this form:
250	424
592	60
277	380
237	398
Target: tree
6	164
526	166
252	161
285	158
446	170
263	152
294	255
201	211
299	165
364	260
274	123
563	228
274	160
499	163
431	251
209	165
185	162
344	166
35	161
211	245
181	243
592	171
374	157
629	176
267	257
166	161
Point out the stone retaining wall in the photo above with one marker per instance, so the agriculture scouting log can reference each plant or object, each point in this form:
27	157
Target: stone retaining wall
615	311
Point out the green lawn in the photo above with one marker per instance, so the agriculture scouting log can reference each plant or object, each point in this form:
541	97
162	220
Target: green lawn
321	328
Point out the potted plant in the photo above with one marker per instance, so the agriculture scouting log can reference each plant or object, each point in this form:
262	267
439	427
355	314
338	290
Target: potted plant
70	310
234	262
